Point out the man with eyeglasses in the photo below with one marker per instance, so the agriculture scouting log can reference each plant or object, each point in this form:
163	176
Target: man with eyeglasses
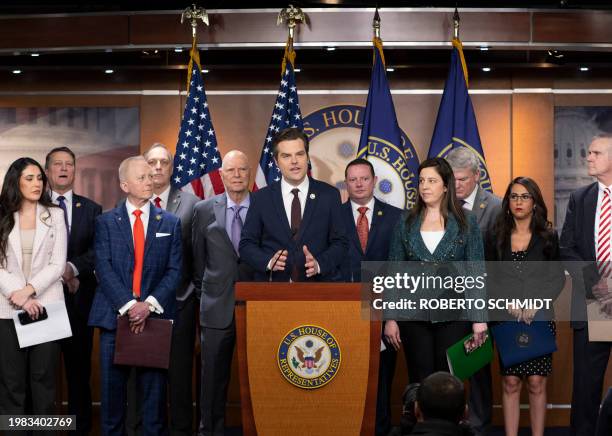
486	207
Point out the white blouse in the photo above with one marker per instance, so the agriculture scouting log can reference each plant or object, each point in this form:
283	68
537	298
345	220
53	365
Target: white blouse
432	239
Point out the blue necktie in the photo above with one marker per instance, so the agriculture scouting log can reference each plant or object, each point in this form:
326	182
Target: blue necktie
236	226
62	203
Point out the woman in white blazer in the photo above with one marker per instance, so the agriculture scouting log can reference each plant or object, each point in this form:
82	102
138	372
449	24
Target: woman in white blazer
33	245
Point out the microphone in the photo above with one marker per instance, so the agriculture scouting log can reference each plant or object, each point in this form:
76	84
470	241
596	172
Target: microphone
272	269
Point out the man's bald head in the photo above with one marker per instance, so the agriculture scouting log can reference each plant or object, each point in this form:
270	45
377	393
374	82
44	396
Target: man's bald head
236	172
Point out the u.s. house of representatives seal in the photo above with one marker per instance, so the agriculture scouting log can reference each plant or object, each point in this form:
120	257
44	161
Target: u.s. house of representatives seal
334	132
309	357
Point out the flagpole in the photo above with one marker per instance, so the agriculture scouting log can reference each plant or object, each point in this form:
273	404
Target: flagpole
377	39
292	16
458	45
193	14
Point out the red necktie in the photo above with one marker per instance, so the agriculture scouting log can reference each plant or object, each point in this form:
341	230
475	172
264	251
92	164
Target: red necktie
603	235
296	220
139	245
362	227
157	202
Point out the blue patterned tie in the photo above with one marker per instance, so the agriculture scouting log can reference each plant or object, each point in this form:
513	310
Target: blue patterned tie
236	226
62	203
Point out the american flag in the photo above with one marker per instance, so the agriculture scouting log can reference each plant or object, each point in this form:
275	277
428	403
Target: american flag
197	159
286	113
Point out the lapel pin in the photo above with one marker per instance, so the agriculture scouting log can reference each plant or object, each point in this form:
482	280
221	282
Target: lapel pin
78	205
379	213
158	217
482	205
313	196
119	218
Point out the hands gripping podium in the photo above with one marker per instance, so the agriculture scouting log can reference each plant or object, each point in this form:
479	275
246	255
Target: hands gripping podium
308	359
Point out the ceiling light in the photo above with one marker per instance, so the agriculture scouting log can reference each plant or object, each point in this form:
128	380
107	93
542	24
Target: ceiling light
34	55
297	70
390	69
109	71
178	50
16	71
486	69
484	48
584	68
331	48
206	71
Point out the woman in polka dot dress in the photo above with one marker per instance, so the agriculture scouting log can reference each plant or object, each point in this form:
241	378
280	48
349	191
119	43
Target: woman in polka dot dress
522	233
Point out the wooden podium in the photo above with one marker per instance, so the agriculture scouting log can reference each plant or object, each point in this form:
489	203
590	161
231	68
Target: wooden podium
266	314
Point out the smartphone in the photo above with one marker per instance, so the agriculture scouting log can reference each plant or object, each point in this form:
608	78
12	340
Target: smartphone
468	344
25	319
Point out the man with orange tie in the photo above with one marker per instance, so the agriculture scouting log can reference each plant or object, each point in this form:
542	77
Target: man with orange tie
368	222
138	265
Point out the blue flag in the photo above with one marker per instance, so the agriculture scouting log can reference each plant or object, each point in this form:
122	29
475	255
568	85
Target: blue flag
456	123
383	143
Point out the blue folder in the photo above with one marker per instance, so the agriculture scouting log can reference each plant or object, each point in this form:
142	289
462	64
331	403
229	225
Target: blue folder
519	342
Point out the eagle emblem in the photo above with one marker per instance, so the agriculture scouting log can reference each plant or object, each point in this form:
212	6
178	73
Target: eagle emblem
309	356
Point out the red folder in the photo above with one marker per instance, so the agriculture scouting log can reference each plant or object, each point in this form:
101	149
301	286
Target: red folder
150	349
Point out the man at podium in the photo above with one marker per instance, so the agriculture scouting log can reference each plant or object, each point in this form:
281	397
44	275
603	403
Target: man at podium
293	229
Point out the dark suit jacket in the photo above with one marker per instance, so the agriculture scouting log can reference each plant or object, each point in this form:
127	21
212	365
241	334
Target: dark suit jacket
541	275
114	249
384	218
577	246
267	230
181	204
81	251
216	265
459	252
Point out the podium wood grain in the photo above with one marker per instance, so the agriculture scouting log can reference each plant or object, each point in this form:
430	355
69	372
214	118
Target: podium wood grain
271	405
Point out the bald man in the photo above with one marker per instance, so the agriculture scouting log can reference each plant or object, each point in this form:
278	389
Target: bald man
217	224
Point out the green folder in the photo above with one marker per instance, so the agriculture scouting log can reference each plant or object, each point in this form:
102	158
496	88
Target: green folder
463	364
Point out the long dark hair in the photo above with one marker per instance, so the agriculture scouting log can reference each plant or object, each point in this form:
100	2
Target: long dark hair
539	225
449	204
11	199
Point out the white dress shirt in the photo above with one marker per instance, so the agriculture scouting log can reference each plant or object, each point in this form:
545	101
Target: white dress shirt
369	213
68	203
286	189
144	217
163	197
432	239
470	199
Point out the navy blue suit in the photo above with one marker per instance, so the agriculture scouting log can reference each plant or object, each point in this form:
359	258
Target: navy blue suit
77	349
161	275
384	218
266	230
591	359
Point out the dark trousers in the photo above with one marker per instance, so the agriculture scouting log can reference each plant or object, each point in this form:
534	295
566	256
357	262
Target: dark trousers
590	363
114	380
217	352
32	367
425	344
604	421
77	363
181	368
180	385
480	403
386	370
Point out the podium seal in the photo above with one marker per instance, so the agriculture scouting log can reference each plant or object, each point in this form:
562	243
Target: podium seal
309	357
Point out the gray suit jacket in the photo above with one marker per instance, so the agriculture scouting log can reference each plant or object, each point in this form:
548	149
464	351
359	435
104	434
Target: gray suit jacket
181	204
216	265
486	207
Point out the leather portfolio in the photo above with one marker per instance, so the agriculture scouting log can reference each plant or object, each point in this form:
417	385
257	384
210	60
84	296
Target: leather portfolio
519	342
150	349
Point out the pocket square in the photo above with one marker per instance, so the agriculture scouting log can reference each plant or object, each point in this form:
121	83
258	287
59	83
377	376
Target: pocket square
161	235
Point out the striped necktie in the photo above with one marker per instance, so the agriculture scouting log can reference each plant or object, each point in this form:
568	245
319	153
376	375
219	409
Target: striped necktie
603	235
